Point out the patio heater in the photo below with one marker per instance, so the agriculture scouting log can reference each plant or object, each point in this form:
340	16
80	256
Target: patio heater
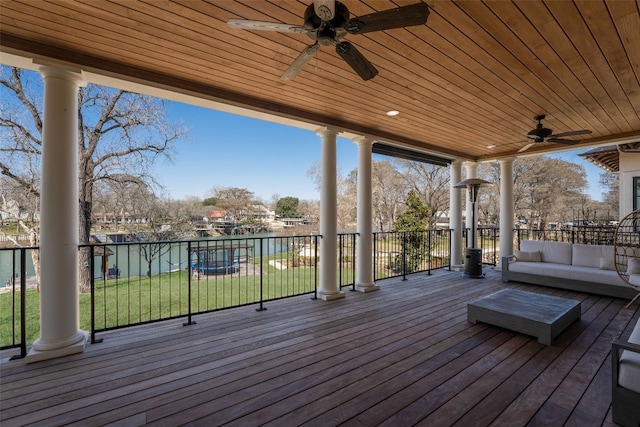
472	255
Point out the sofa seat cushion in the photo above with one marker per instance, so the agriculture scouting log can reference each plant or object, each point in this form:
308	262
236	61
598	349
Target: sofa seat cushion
590	255
629	371
634	279
555	252
585	274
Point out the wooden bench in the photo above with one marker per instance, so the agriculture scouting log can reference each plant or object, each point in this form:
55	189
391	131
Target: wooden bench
538	315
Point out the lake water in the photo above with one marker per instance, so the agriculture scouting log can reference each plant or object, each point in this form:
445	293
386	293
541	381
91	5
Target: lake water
127	257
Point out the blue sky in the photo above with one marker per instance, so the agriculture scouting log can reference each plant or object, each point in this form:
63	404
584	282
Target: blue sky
228	150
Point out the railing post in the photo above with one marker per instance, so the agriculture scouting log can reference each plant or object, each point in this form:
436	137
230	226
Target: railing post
189	321
404	255
262	307
353	261
450	233
495	247
429	252
315	267
340	260
375	257
23	303
92	282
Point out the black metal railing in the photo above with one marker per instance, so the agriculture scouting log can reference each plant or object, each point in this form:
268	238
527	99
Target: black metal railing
14	306
144	282
347	260
398	253
134	283
156	281
583	234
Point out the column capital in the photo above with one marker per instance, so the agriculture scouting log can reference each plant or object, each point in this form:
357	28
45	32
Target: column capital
75	76
471	168
506	160
363	140
325	131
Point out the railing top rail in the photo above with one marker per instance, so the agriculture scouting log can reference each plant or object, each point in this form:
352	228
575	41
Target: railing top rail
197	240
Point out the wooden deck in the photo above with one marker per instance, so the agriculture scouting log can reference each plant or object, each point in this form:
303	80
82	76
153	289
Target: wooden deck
401	356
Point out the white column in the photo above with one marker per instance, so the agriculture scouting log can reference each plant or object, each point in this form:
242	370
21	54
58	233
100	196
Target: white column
364	264
455	213
472	172
506	208
60	332
328	217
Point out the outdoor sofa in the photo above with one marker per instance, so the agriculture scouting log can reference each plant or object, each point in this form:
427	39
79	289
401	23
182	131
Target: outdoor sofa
571	266
587	268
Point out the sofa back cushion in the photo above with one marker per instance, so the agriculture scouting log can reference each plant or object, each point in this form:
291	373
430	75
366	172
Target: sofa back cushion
589	255
556	252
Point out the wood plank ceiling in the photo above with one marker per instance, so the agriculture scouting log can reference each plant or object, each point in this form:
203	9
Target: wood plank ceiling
473	76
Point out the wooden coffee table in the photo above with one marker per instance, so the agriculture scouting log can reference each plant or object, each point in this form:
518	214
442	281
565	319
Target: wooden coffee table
538	315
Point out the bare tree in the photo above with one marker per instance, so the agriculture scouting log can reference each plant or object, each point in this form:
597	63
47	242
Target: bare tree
388	191
187	211
347	205
120	134
489	196
547	188
237	201
611	197
346	189
431	184
309	209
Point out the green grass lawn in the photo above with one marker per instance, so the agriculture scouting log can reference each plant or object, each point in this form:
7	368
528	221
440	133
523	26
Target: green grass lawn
131	300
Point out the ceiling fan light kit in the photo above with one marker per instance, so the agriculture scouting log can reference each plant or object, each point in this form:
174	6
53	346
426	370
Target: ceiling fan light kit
327	22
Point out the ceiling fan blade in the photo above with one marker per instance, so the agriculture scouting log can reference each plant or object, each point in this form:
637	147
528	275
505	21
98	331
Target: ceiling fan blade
354	58
571	133
245	24
405	16
562	140
325	9
526	147
300	62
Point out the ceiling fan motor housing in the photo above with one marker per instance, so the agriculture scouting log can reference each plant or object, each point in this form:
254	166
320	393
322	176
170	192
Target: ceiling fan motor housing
314	22
539	133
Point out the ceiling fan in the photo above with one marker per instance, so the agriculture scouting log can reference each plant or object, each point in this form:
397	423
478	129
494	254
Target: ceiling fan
543	134
327	22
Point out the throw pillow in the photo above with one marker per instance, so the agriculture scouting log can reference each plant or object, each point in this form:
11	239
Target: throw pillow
633	266
534	256
607	264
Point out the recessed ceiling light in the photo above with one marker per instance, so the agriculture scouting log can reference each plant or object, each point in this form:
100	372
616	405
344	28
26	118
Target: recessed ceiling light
393	113
491	146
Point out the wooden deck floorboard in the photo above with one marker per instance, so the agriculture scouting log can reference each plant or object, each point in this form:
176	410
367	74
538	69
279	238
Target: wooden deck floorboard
401	356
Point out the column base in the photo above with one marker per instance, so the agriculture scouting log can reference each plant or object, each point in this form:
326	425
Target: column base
330	297
367	287
457	267
78	346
